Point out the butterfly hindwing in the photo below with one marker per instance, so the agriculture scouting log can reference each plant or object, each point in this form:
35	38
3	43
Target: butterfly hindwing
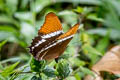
57	47
56	50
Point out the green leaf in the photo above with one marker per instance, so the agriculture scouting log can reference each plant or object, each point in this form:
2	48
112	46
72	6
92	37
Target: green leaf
63	69
66	15
36	78
24	3
114	33
111	15
37	66
94	17
86	71
77	76
69	78
92	2
1	67
23	77
2	78
14	59
27	30
84	10
2	5
8	29
2	44
11	6
9	70
92	53
77	62
117	75
102	47
7	36
84	37
40	4
50	72
25	16
79	9
7	19
90	50
64	56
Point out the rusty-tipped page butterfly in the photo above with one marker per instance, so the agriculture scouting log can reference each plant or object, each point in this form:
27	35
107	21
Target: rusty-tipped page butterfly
51	41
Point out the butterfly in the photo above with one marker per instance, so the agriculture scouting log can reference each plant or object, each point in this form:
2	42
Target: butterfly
51	41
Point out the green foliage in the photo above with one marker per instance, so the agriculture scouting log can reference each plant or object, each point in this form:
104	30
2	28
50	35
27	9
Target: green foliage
86	71
50	72
102	47
63	69
88	49
20	21
2	44
37	66
94	17
9	70
36	78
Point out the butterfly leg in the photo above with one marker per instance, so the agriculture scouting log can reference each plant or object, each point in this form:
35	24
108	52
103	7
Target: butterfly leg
57	59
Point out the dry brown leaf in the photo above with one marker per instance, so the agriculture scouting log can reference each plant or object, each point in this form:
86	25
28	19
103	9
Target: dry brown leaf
110	62
95	77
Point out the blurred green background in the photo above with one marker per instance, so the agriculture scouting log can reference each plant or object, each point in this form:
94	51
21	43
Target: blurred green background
20	21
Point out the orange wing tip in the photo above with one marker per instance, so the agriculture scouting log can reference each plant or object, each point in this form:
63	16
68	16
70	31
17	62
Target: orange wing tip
74	28
51	14
72	31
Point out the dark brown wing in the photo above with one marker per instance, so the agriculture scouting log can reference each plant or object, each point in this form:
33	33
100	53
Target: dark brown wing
57	47
50	30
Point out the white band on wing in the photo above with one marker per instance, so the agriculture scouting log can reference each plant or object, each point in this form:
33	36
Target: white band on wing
47	36
43	40
64	39
54	44
37	44
52	34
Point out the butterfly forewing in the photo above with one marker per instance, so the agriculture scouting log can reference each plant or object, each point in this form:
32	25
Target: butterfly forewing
51	24
51	42
50	30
